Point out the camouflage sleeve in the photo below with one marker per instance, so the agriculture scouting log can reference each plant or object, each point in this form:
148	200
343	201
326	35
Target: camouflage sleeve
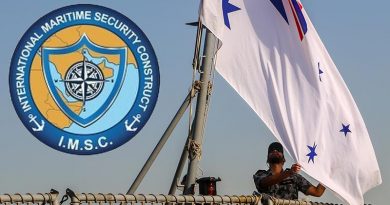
257	178
302	183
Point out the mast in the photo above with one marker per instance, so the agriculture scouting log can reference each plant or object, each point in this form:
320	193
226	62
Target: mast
195	138
195	144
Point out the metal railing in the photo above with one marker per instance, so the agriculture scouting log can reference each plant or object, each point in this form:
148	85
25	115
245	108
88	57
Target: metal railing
99	198
275	201
145	199
30	199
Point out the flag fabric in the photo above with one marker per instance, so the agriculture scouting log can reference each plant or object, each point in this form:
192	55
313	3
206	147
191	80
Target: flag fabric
273	57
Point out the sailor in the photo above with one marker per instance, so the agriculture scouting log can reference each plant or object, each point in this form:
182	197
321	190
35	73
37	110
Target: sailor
283	183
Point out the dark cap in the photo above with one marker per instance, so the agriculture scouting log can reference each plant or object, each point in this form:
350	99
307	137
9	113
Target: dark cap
275	146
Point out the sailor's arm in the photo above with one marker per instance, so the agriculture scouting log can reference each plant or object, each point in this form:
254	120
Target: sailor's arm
316	191
276	178
273	179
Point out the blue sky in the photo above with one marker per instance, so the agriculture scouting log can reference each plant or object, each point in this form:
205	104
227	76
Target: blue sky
356	34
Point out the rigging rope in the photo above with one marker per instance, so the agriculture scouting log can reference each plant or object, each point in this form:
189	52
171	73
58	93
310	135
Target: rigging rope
195	67
194	150
211	84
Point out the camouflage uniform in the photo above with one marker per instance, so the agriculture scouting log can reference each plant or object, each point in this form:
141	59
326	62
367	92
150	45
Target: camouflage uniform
286	189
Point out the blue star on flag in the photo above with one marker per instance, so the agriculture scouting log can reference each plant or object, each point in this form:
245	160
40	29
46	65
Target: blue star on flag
345	129
320	71
312	152
226	9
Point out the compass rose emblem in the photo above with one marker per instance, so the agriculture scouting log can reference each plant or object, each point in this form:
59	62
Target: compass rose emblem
84	81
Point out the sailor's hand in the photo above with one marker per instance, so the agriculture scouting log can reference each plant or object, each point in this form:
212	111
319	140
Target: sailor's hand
321	187
295	168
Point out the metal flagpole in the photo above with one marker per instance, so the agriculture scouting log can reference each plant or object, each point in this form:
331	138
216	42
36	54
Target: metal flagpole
172	125
195	65
195	145
161	143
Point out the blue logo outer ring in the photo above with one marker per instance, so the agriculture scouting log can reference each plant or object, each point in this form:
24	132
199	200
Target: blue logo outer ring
81	144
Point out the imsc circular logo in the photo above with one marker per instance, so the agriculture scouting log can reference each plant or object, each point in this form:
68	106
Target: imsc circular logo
84	79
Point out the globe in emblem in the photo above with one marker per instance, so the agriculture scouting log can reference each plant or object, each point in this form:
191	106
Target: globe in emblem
84	80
